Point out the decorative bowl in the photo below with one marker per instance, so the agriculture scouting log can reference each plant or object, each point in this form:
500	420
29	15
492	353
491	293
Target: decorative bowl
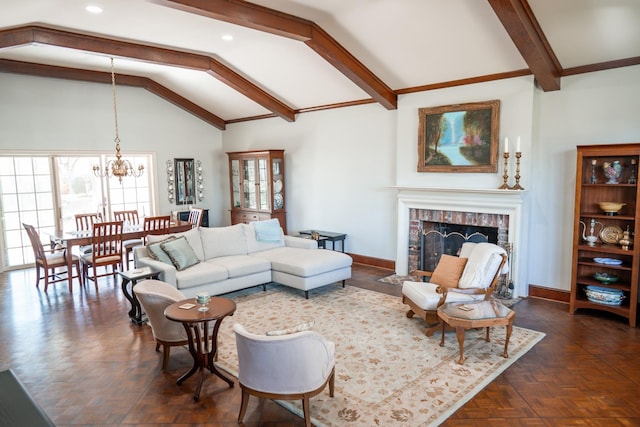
604	295
605	277
611	207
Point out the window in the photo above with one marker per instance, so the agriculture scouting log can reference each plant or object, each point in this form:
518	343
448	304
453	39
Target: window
34	188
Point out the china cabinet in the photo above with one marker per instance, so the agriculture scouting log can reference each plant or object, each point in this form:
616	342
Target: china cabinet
606	220
257	186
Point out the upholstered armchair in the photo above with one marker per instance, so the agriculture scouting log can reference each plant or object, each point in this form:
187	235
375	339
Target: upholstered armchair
154	297
471	276
285	367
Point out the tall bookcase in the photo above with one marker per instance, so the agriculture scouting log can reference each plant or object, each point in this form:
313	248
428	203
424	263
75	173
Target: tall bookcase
606	255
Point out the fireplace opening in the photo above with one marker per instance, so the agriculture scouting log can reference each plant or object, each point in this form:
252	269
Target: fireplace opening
439	238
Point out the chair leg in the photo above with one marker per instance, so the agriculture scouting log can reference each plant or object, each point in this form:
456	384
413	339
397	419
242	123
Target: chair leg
306	411
165	356
332	382
46	279
243	405
37	275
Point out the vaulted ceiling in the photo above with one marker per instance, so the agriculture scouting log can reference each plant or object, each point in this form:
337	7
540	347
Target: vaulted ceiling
227	61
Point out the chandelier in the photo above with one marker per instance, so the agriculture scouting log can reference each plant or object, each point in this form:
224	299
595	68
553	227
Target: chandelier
118	167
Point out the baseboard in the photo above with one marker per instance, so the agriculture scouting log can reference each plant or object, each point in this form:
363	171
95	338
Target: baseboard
374	262
551	294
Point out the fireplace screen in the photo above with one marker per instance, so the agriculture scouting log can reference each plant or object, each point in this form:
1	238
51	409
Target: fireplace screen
448	239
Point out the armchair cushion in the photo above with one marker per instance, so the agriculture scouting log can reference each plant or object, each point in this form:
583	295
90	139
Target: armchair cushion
481	267
448	271
180	252
298	328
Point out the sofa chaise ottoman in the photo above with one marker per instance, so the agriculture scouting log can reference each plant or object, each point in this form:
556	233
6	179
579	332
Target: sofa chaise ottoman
225	259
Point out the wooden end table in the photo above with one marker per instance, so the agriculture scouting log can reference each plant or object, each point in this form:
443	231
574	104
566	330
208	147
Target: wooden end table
202	347
133	277
480	314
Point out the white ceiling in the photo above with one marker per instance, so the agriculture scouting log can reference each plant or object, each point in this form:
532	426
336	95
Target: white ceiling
405	43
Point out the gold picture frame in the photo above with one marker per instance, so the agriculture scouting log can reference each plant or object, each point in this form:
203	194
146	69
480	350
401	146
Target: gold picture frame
459	137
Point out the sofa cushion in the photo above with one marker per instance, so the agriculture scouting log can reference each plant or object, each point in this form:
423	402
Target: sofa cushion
305	262
192	236
156	252
223	241
180	253
201	274
241	265
268	230
253	245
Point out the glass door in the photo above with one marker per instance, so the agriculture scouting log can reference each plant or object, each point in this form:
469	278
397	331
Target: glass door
249	184
80	191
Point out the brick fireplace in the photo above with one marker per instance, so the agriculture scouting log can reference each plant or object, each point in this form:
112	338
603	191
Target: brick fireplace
501	210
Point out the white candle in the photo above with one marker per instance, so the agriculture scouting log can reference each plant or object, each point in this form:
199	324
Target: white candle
506	145
518	145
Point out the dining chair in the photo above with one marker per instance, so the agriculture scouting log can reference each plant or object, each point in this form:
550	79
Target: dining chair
49	261
156	225
106	250
84	222
130	218
195	217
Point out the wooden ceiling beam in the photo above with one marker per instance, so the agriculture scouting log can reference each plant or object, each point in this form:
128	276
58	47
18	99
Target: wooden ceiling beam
271	21
523	28
51	71
157	55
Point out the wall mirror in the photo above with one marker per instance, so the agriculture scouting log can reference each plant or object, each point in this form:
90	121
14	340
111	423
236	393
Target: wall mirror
185	188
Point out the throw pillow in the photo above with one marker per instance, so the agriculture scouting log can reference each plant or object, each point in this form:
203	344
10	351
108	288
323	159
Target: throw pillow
180	252
298	328
268	231
155	251
448	271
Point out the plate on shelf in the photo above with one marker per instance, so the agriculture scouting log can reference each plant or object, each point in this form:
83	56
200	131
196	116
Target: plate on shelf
608	261
278	201
277	186
604	295
605	278
611	234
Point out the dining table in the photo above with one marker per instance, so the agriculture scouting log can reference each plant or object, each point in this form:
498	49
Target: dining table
69	239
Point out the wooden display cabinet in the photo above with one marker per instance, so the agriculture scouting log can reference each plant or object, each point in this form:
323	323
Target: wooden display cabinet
257	186
593	187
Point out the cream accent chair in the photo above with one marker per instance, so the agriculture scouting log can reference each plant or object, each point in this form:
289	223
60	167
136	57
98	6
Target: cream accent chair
485	263
288	367
155	296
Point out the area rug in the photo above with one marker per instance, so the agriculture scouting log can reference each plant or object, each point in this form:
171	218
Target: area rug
387	371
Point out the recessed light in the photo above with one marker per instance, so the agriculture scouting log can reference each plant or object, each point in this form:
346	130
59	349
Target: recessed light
227	37
92	8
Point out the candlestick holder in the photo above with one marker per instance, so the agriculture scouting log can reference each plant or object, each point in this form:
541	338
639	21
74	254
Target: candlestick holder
593	180
505	177
517	185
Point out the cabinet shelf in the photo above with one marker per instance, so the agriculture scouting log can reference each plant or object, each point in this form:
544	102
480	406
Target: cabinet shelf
588	195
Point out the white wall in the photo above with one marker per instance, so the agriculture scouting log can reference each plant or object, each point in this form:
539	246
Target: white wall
342	164
54	115
339	168
594	108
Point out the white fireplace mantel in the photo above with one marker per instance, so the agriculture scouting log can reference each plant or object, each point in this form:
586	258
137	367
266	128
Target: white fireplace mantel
491	201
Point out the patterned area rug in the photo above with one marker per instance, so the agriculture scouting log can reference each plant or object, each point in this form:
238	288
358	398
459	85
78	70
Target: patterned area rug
387	371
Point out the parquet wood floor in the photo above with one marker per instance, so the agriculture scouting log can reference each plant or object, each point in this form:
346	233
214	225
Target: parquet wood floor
85	363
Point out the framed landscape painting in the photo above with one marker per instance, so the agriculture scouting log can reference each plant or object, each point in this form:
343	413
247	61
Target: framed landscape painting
459	138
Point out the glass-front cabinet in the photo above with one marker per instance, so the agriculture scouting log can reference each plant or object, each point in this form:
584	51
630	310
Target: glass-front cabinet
257	186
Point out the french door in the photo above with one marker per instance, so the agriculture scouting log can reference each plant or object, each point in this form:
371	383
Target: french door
47	192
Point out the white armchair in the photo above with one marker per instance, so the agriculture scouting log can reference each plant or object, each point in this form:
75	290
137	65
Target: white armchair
287	367
475	281
154	297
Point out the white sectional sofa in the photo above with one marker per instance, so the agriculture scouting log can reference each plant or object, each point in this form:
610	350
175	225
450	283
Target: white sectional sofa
233	258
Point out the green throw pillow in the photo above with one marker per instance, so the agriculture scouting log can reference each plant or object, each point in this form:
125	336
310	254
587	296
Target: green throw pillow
298	328
156	252
180	252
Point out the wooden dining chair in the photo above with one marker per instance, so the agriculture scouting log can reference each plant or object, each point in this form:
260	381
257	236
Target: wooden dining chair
156	225
84	222
49	261
195	217
130	218
106	250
